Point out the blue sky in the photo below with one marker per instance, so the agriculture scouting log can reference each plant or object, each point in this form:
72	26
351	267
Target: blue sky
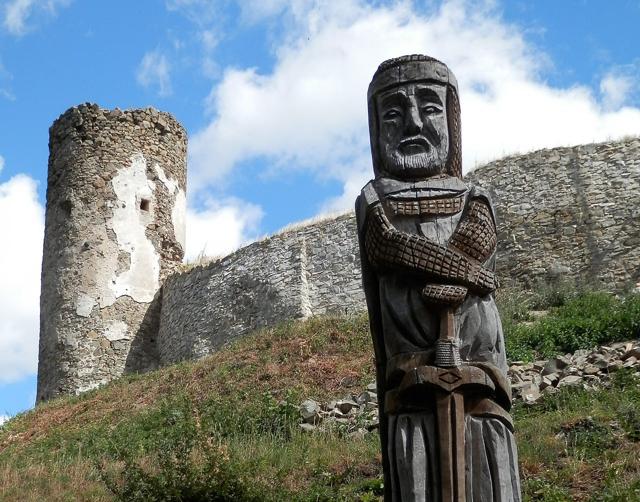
272	94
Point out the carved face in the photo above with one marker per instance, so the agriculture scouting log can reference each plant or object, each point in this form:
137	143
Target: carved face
413	132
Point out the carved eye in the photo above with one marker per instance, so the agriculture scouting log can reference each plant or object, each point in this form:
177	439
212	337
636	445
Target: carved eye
431	109
391	114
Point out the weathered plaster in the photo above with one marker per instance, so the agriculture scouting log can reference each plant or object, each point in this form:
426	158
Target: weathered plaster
179	208
179	218
116	330
129	222
84	304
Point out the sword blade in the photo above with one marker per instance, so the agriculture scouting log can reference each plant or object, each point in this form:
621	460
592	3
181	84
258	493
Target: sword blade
450	411
450	414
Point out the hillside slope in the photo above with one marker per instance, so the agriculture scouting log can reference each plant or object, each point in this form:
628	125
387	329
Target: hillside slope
228	428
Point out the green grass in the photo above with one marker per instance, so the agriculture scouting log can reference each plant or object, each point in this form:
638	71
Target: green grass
577	321
579	445
226	427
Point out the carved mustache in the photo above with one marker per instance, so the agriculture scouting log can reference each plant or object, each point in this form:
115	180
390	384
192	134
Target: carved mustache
415	140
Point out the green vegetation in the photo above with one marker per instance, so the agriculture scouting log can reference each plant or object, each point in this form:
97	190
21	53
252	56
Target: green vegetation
226	427
579	445
574	321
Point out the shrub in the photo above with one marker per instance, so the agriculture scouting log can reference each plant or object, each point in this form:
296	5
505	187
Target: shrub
583	321
181	464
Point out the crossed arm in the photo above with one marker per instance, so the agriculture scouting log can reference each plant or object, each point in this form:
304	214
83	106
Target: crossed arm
459	263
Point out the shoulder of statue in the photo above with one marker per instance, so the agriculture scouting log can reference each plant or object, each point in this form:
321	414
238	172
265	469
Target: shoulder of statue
369	194
478	193
368	197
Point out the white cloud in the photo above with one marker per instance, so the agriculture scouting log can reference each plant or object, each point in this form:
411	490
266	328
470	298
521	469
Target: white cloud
22	228
1	163
155	71
3	419
17	14
616	89
220	228
5	76
310	111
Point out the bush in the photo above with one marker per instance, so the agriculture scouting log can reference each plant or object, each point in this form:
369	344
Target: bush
582	322
181	464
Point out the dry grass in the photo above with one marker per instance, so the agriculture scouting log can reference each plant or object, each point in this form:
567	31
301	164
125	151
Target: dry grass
240	397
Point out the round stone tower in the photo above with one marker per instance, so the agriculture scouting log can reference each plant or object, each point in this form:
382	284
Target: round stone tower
115	228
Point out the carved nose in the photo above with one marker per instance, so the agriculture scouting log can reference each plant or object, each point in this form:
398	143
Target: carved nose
413	123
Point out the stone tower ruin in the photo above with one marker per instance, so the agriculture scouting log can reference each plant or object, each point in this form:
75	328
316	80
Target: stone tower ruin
115	228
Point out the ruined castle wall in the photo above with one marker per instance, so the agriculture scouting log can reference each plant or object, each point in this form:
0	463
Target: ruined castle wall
334	283
568	213
308	270
114	230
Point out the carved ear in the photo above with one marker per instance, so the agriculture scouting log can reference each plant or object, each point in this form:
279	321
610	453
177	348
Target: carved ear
373	137
454	161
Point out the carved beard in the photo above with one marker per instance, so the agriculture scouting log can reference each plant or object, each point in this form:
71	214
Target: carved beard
418	165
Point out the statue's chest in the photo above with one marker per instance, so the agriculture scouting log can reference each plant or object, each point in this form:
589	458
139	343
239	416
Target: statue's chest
433	218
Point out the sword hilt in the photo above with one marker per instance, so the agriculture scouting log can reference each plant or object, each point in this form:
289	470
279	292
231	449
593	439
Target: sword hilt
448	343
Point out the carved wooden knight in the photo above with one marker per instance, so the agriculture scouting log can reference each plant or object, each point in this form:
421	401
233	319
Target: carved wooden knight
427	243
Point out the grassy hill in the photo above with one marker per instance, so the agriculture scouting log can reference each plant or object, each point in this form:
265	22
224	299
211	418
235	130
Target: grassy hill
227	427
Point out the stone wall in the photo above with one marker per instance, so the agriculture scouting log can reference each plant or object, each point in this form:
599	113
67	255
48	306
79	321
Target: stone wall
568	213
309	270
114	230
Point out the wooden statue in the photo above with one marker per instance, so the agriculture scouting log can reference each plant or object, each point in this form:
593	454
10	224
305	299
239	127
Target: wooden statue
427	243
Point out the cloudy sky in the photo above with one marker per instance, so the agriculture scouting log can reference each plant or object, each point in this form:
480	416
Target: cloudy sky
272	93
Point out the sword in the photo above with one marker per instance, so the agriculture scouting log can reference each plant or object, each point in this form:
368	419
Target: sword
450	402
450	415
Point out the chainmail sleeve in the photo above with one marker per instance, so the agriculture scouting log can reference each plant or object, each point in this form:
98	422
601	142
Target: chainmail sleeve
387	247
476	233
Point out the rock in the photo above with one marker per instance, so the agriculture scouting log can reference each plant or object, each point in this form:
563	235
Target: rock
591	369
548	381
530	393
307	427
310	410
346	405
601	362
539	365
367	397
557	270
614	365
631	352
372	387
359	434
555	365
570	381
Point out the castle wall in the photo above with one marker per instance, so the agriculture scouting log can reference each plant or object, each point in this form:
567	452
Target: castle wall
114	230
305	271
565	212
568	213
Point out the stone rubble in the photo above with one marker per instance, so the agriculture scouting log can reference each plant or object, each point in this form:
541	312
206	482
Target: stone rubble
357	414
584	368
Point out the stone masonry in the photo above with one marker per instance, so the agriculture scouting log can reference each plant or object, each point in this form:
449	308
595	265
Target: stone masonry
580	221
114	230
310	270
568	213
